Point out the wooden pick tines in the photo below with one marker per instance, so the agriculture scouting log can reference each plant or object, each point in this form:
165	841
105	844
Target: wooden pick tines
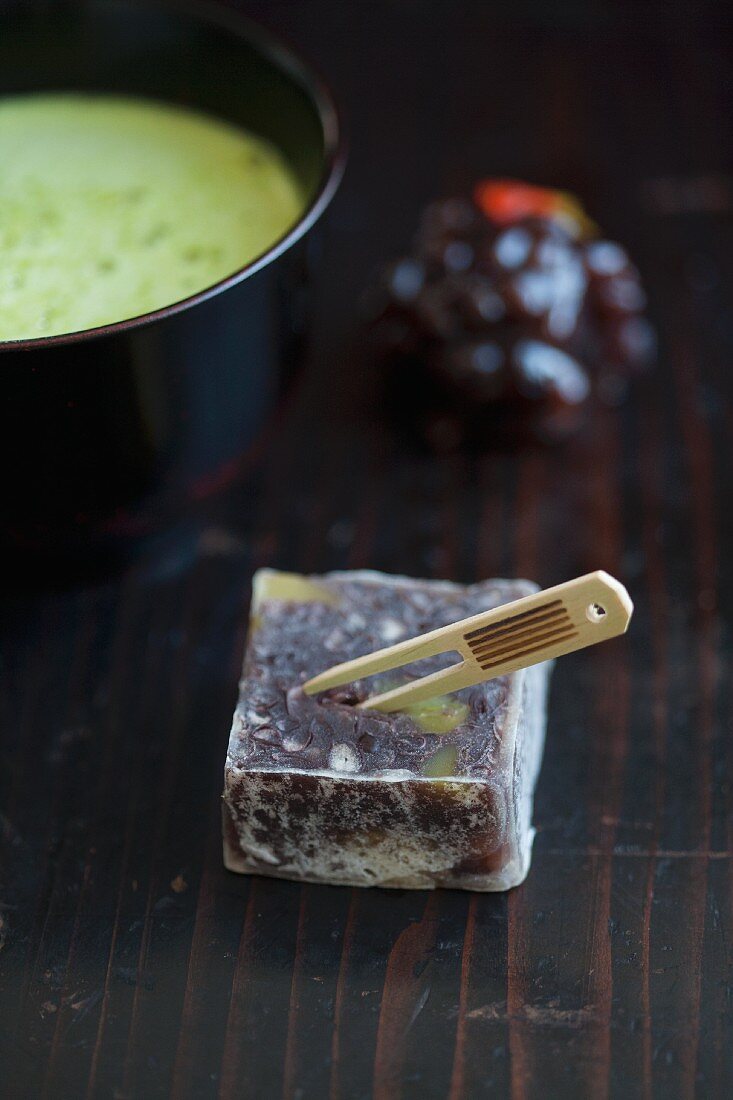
525	632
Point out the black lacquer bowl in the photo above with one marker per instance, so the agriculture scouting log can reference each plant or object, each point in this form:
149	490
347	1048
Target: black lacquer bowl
115	434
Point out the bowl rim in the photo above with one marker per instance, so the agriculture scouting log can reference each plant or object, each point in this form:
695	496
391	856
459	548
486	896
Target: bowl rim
302	73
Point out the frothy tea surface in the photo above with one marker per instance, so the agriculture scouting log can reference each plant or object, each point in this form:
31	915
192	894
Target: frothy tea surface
112	207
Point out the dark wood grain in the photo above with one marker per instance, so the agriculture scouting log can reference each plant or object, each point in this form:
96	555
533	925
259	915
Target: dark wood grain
131	964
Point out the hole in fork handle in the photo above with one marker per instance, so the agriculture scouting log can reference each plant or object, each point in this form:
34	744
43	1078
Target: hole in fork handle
595	612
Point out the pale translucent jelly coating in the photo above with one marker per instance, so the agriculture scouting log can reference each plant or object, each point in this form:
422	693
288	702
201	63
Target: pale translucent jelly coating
318	791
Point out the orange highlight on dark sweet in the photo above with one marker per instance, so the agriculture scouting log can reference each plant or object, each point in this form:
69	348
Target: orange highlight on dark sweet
506	201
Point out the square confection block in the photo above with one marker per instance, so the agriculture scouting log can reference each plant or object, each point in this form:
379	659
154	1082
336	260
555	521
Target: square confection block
319	791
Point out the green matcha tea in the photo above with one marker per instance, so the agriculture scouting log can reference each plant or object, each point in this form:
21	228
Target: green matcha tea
113	207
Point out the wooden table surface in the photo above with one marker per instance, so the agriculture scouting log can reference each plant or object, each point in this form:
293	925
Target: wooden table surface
131	963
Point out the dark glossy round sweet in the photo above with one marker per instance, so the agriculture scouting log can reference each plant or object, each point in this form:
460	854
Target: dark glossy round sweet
508	315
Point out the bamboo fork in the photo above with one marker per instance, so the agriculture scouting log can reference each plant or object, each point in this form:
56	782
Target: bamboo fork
525	632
